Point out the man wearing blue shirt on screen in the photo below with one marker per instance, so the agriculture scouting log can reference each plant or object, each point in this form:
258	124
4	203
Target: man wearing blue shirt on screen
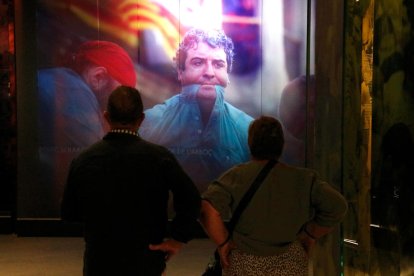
206	134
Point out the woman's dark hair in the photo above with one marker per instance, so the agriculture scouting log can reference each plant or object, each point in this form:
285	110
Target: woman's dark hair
266	138
125	105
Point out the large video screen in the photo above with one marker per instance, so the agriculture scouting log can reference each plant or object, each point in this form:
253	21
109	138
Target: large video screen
263	58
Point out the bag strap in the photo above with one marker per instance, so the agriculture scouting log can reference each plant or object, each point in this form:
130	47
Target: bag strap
249	195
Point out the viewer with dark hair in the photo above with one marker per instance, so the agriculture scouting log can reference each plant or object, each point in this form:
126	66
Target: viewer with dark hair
289	212
119	189
206	134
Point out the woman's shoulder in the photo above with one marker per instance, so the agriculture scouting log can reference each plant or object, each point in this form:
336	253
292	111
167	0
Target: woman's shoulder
287	170
291	168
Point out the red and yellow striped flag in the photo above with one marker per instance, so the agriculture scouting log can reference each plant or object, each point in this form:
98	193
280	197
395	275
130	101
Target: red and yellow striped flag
127	18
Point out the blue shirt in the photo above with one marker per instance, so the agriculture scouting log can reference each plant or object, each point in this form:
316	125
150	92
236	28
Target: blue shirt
204	151
69	114
70	119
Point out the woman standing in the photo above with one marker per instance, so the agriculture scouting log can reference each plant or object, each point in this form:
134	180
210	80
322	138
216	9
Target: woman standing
289	212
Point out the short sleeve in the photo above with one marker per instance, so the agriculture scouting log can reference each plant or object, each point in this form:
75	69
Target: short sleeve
219	197
330	205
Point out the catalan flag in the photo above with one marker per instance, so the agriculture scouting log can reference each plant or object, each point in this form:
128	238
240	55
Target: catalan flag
125	19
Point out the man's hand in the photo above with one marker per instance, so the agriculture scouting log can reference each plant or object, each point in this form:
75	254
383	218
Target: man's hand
170	247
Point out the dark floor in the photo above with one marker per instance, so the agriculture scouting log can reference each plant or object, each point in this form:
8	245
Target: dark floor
62	256
57	256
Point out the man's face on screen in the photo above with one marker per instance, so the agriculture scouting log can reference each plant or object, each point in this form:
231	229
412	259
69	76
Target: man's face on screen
204	65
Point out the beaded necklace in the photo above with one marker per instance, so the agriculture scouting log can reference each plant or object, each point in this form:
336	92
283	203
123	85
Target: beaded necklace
124	131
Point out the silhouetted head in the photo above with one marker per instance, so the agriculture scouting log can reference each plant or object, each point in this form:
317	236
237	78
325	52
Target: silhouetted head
124	107
266	138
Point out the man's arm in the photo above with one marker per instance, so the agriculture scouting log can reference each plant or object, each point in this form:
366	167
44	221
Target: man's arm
186	202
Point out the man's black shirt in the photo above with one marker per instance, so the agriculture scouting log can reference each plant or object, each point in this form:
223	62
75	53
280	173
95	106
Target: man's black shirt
119	188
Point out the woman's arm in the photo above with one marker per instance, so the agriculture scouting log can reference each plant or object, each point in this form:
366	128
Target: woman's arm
214	226
310	233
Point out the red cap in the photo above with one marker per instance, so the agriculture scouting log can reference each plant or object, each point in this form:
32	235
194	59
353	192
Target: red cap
111	56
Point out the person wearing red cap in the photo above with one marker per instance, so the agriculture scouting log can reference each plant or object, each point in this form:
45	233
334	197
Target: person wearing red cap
71	103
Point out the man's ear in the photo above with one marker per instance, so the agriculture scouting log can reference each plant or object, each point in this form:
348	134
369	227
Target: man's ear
141	119
106	116
96	77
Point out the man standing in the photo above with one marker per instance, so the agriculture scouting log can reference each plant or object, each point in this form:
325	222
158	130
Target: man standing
119	188
205	133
